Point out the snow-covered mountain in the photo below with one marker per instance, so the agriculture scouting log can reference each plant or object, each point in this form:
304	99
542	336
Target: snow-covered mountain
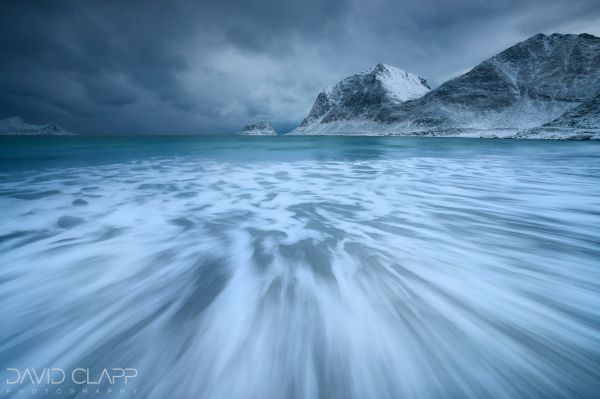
360	102
17	127
528	85
260	128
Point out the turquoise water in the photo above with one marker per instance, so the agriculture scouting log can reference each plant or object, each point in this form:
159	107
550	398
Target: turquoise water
300	267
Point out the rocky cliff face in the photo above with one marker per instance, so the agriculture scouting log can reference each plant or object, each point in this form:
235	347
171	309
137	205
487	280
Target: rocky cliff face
260	128
361	99
17	127
528	85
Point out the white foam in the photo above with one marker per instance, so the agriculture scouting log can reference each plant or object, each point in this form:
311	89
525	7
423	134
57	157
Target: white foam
411	277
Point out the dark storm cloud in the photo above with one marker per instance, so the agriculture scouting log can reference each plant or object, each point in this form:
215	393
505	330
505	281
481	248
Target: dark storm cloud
200	67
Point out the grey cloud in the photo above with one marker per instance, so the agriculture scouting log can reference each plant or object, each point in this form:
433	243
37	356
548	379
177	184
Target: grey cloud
212	66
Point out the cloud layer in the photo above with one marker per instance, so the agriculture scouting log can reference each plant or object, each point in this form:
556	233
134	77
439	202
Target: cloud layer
187	67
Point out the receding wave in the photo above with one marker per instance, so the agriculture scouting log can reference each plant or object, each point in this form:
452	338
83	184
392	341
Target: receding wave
416	277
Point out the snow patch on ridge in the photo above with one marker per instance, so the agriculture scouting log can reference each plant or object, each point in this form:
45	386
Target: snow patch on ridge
399	84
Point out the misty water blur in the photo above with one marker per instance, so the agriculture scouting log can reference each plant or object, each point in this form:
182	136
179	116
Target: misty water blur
304	267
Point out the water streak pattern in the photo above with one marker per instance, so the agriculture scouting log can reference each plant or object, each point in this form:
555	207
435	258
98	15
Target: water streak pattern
391	269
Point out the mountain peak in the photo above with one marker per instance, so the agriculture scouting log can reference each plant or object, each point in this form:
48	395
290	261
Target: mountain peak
53	127
400	85
366	95
386	69
381	68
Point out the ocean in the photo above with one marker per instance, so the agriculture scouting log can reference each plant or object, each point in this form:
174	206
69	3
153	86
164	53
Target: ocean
299	267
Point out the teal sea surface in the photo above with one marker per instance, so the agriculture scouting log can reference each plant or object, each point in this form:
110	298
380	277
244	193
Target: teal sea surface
301	267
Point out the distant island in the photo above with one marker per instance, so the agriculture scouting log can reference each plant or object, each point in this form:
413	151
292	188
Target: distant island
546	87
260	128
15	126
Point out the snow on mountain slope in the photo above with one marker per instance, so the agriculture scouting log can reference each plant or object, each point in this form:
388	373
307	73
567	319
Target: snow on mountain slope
260	128
17	127
399	84
360	101
585	116
582	123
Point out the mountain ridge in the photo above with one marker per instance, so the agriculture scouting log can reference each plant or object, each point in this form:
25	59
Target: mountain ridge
524	86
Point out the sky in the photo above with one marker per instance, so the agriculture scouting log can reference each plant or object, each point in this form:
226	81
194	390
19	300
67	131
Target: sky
210	67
